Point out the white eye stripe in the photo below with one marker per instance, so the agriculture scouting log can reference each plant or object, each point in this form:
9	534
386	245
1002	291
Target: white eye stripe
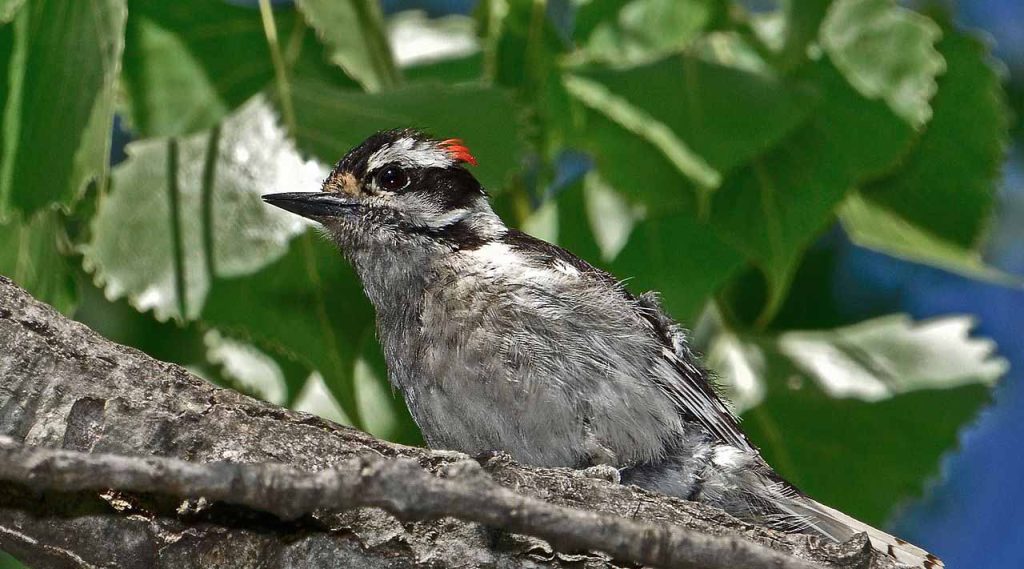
449	218
410	153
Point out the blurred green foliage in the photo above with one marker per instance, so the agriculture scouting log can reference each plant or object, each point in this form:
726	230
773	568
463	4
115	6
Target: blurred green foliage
721	144
9	562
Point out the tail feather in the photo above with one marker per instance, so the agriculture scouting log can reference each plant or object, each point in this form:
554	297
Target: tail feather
841	527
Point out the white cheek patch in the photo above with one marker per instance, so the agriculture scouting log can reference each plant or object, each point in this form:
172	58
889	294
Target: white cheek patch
410	153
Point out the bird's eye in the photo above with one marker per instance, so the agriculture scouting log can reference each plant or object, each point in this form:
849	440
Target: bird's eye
392	179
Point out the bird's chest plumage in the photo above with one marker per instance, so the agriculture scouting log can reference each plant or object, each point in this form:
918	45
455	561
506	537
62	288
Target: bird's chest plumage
507	356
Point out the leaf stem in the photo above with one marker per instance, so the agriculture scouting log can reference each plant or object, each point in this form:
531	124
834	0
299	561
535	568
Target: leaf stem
769	209
521	202
206	203
535	72
294	47
280	71
23	260
494	13
174	197
377	42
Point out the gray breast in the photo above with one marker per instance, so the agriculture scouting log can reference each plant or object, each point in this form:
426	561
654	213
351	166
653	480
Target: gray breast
548	364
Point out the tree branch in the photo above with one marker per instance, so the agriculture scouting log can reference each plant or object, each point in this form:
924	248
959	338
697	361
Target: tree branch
105	446
398	486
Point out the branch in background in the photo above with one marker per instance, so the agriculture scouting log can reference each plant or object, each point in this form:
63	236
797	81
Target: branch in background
64	387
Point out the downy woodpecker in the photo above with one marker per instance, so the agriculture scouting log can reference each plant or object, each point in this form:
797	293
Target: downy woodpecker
501	341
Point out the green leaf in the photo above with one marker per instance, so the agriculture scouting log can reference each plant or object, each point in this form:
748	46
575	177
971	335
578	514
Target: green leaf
590	15
450	71
384	412
678	257
9	562
215	51
892	355
636	168
670	252
354	32
833	450
542	222
872	226
947	186
189	65
644	30
331	121
886	52
170	92
8	8
316	399
522	52
705	118
62	61
738	50
183	212
773	207
6	60
34	256
610	216
588	218
887	395
307	305
246	367
803	19
641	124
563	221
521	44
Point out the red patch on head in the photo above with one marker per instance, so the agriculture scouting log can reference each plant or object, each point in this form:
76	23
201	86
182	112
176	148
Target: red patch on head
457	150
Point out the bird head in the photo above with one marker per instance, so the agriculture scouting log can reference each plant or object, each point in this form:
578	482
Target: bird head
399	187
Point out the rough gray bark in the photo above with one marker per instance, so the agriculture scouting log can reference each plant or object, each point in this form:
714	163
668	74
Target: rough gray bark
64	387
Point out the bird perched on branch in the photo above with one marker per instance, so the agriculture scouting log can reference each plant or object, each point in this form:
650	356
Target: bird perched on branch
501	341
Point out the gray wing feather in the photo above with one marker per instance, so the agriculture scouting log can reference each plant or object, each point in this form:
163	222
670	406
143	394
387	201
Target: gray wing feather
691	388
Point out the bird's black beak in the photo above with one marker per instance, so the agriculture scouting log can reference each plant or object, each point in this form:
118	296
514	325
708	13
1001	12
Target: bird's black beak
313	204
